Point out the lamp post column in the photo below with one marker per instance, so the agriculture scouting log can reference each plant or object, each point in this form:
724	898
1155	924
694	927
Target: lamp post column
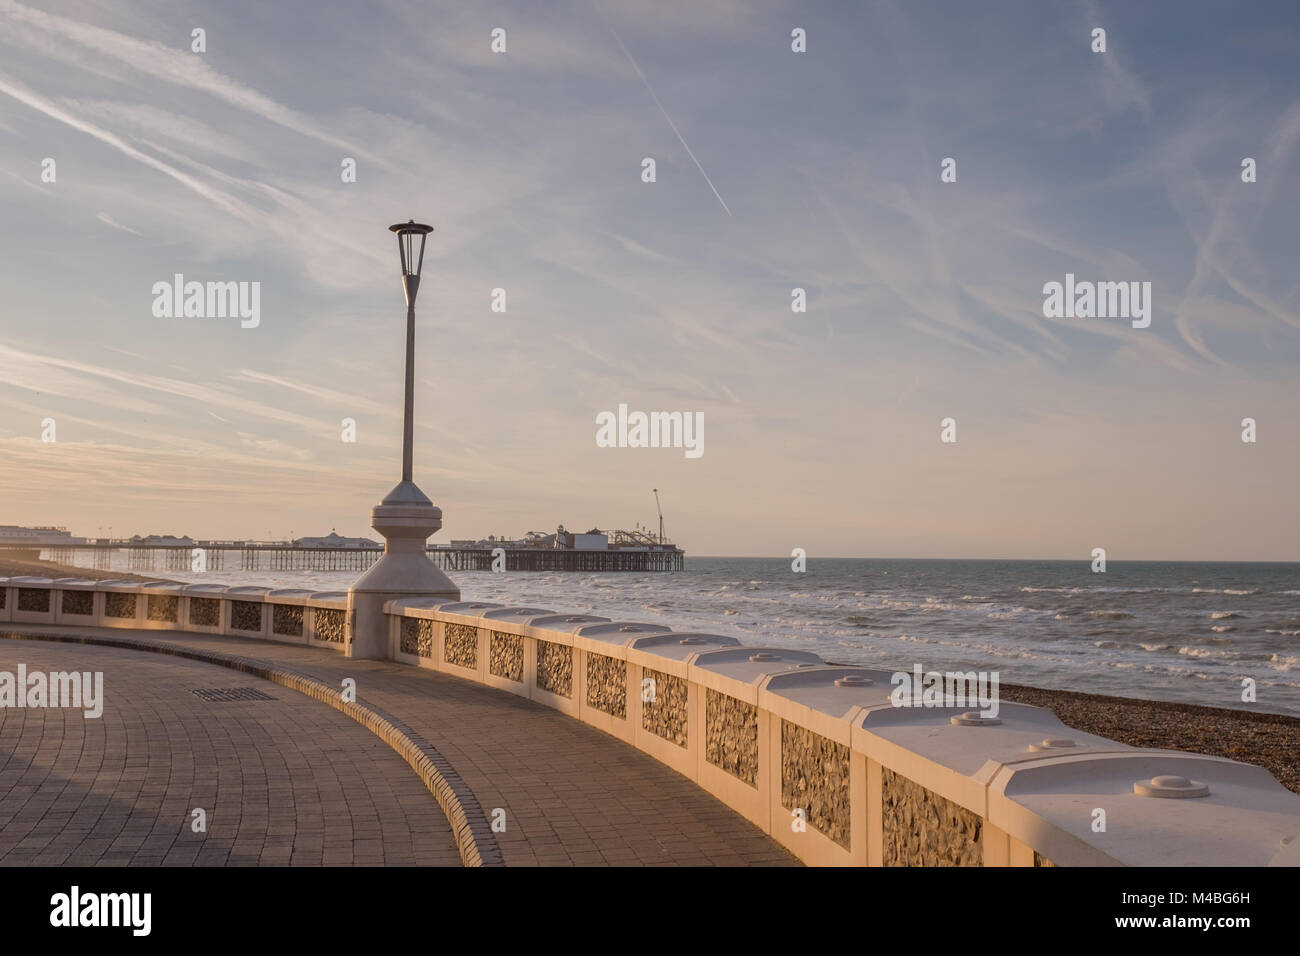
408	419
406	517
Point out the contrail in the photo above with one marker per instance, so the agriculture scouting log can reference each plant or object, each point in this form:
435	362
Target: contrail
680	138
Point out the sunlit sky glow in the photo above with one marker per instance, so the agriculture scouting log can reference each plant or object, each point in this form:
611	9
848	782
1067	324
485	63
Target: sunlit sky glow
818	170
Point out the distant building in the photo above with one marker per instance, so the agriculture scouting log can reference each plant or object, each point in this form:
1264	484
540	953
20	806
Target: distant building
163	541
562	540
593	540
12	534
335	541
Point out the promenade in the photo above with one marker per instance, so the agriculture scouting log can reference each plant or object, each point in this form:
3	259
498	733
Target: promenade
292	780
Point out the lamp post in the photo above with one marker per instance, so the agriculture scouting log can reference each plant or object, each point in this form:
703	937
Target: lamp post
406	517
410	248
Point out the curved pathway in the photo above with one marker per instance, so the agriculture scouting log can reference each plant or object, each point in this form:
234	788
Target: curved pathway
571	794
282	780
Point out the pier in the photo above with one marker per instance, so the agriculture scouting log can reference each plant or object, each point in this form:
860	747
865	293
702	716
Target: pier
272	556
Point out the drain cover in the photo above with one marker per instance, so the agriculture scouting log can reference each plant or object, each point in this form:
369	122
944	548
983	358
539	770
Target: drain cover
215	695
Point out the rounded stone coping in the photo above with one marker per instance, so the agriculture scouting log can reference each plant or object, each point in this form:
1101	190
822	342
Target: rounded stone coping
680	645
565	623
816	697
734	666
249	593
329	600
421	607
296	597
75	584
612	644
467	612
120	587
162	587
515	615
205	590
957	761
31	581
1015	715
470	826
469	608
1036	802
619	632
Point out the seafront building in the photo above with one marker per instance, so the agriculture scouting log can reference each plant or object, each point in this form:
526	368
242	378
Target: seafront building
12	535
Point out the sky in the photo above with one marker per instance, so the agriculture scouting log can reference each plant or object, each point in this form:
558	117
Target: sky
774	170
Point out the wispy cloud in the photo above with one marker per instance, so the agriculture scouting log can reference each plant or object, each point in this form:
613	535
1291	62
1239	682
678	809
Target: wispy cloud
676	132
108	220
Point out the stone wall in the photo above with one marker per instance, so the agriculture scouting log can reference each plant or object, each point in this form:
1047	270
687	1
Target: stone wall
922	828
460	645
162	607
34	599
555	668
417	636
607	685
506	656
205	612
119	605
77	602
245	616
731	735
331	624
286	619
815	778
917	826
665	714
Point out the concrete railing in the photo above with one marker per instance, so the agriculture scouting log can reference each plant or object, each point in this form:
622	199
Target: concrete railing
818	757
292	616
814	754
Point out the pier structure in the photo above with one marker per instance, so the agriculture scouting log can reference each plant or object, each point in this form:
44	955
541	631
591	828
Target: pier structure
284	556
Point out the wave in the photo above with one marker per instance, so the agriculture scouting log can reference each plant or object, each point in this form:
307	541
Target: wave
1225	615
1099	589
1111	615
1222	628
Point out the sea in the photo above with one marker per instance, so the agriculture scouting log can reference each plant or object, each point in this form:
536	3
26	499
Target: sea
1175	631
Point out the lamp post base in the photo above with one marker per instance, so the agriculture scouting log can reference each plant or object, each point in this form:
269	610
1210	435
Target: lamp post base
406	518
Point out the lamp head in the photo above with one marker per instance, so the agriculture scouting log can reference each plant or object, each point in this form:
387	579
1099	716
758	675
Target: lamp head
410	247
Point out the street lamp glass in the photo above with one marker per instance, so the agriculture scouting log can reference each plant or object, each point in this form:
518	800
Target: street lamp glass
410	245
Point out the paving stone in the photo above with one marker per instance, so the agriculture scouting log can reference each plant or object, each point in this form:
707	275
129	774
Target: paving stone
119	790
528	759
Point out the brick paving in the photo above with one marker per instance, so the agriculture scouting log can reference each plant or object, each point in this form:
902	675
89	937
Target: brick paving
572	795
283	782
